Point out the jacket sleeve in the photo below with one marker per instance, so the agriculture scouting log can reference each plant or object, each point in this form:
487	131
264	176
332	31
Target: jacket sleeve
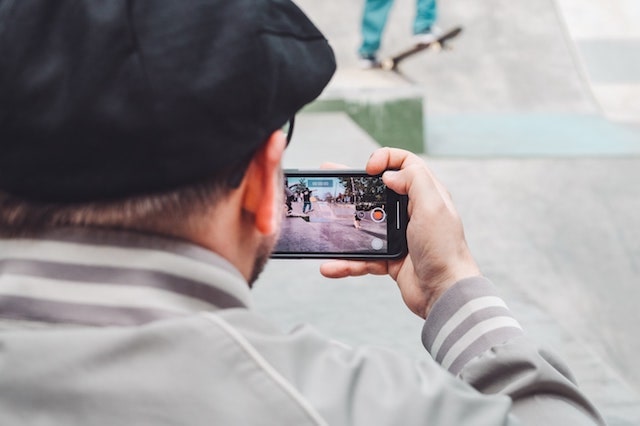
471	333
495	375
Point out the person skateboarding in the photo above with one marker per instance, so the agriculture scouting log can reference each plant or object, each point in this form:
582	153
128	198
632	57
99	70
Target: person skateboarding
306	197
356	220
288	197
374	19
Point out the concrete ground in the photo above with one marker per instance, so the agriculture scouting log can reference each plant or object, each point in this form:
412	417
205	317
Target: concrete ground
533	125
560	77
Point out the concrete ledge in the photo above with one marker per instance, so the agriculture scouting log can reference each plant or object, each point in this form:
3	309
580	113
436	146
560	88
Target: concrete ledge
388	107
322	137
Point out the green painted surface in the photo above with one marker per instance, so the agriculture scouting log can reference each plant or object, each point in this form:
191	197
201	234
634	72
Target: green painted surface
326	105
530	135
396	123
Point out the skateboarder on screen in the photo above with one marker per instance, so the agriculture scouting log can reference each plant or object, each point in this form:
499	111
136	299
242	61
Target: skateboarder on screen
375	17
306	197
288	197
356	221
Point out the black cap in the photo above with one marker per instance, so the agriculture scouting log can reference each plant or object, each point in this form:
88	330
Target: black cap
107	99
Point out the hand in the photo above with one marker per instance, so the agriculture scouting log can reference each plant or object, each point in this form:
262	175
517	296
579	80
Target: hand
438	253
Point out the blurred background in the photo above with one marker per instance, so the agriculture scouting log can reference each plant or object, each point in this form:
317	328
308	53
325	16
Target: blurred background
532	121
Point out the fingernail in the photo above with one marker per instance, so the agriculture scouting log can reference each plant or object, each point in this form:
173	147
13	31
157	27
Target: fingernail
389	174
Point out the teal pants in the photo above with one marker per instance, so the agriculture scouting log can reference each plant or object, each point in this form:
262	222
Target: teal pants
375	17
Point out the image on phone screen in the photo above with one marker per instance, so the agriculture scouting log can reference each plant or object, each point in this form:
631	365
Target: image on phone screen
339	214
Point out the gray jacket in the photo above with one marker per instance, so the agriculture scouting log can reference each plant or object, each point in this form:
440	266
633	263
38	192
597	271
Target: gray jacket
106	328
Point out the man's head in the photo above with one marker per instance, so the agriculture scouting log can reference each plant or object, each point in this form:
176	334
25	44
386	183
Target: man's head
142	114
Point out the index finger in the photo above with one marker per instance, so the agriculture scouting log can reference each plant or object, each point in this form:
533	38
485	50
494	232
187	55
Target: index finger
410	167
328	165
391	159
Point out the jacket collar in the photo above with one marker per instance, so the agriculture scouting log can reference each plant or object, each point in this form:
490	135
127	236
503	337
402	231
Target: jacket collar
104	277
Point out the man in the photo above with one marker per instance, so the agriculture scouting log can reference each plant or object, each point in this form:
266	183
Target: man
288	198
141	194
374	19
306	199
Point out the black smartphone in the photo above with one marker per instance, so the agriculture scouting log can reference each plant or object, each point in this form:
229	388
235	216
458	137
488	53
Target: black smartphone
340	214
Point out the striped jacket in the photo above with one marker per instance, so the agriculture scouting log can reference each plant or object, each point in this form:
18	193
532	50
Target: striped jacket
113	328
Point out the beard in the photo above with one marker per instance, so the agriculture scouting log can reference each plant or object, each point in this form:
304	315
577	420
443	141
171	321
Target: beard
268	243
262	256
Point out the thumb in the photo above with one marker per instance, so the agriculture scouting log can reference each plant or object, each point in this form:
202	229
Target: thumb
394	181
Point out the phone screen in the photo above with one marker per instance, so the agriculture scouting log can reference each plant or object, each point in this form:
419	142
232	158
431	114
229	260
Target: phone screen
340	214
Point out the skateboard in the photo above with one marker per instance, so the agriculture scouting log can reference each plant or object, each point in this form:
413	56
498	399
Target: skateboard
302	216
391	64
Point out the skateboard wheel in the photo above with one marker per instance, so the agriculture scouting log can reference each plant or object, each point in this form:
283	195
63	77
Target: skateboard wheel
387	64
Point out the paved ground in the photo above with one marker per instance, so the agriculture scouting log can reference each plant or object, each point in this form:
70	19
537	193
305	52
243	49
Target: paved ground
531	122
558	236
329	227
606	39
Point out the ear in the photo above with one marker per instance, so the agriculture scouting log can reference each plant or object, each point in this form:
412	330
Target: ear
263	184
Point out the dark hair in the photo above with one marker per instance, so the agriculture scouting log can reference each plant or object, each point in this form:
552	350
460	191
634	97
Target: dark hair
169	212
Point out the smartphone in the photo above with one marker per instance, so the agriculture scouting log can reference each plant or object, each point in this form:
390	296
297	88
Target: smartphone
341	214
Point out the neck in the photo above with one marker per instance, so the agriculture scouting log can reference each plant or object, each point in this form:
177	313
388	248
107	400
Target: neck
229	233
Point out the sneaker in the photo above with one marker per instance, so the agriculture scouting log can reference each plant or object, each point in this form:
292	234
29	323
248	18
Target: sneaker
427	36
368	61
